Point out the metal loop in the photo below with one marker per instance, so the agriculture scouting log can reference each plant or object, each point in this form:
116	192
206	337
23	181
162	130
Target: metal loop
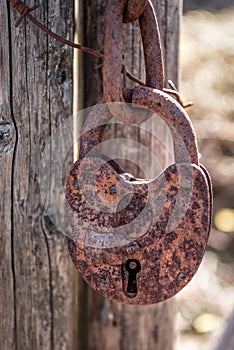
112	79
133	10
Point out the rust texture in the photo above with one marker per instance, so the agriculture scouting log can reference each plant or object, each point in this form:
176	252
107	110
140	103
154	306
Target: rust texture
173	113
152	47
24	11
135	241
138	241
112	79
133	10
168	260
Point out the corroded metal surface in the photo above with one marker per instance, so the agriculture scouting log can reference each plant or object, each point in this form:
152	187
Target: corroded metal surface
160	226
185	145
112	78
133	10
168	259
184	137
152	47
136	241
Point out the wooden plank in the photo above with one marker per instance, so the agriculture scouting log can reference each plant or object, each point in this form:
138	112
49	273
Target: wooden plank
7	143
37	277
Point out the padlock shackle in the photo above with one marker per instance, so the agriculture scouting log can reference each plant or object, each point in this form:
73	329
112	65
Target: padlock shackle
113	50
176	118
152	47
133	10
185	145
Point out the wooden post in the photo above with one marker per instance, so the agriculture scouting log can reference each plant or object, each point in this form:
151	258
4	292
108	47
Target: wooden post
106	325
37	279
36	274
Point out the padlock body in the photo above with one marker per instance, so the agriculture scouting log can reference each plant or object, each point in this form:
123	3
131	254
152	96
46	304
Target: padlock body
170	250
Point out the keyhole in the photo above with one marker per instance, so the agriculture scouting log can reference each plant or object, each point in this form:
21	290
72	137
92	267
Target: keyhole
133	266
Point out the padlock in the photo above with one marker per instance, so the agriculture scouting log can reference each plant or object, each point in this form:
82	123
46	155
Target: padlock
149	249
137	241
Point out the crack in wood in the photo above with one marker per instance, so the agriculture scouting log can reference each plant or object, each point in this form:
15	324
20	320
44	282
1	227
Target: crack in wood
12	172
51	288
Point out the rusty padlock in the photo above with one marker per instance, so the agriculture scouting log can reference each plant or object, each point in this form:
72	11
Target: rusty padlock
138	241
149	249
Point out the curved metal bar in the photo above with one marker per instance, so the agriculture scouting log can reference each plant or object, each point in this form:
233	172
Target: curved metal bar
185	145
112	79
133	10
152	47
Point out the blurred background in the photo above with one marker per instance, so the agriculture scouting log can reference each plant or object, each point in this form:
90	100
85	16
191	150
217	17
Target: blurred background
207	68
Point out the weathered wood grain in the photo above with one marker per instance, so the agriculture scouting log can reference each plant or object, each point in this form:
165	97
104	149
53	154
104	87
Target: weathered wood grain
39	307
36	277
7	143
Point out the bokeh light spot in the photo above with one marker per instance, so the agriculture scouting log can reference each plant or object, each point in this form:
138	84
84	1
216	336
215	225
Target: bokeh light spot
205	323
224	220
